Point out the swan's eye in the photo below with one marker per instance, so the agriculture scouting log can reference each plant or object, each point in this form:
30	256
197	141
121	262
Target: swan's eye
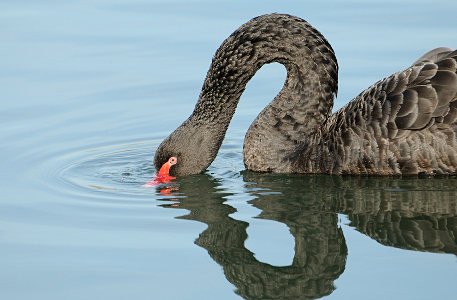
173	160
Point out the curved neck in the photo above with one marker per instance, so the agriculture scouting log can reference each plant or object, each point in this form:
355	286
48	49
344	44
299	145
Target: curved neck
297	113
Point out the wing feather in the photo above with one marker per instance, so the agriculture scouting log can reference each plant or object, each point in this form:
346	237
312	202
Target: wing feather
376	132
413	99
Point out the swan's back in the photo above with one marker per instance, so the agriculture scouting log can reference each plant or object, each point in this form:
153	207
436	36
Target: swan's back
403	124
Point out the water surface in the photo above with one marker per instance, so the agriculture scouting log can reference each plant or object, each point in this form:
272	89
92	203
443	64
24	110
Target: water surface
88	91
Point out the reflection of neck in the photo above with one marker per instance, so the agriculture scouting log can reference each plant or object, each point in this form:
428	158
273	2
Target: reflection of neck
320	257
320	252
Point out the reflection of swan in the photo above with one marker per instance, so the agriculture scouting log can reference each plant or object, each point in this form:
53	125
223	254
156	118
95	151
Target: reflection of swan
319	255
403	124
412	213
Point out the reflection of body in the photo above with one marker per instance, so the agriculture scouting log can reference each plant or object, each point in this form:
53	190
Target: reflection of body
410	213
422	219
416	214
414	232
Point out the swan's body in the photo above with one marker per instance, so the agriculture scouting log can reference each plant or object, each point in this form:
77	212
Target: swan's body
403	124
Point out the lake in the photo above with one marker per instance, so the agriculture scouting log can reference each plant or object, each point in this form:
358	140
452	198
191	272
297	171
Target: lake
88	91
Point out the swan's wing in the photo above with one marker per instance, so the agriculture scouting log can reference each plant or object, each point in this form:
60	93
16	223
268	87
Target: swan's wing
417	98
434	55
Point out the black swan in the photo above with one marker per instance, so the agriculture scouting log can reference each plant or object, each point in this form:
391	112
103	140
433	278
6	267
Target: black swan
403	124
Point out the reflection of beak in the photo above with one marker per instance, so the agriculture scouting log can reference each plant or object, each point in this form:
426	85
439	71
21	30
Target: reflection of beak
158	180
168	190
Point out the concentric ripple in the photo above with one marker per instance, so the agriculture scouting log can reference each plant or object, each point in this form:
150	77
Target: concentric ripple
119	168
110	174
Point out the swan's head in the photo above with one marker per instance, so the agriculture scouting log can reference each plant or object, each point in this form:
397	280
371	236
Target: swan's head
193	146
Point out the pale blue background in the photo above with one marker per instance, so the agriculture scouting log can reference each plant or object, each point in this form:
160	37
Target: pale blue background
87	91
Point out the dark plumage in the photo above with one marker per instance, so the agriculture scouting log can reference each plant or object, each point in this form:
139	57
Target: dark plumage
403	124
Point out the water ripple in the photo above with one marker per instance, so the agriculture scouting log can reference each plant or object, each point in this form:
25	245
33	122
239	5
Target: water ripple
110	174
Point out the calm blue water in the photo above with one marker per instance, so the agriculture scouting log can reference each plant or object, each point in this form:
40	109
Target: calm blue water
89	89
